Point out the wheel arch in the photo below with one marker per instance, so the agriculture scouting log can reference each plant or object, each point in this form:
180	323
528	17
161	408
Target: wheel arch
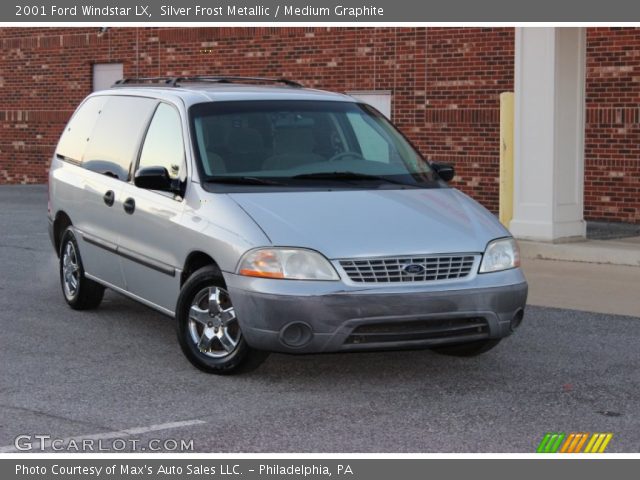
196	260
60	224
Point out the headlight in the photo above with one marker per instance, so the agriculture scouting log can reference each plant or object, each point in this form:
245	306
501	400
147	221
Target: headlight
289	263
501	254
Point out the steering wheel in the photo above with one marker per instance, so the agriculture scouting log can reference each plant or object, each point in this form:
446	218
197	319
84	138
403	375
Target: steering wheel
341	155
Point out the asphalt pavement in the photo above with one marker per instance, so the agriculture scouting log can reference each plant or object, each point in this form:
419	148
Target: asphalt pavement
117	372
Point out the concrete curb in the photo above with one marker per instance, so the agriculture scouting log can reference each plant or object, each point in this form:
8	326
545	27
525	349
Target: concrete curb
614	252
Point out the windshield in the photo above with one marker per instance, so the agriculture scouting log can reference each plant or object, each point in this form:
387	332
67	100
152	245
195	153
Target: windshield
293	142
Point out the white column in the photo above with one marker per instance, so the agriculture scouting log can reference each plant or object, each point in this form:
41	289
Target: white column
549	134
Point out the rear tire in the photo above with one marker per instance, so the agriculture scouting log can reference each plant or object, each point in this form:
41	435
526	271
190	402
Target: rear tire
208	330
470	349
79	292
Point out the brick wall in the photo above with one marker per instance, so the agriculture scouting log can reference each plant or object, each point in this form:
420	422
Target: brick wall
612	136
445	84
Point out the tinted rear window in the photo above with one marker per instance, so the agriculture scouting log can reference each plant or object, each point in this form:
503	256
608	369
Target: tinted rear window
73	141
115	139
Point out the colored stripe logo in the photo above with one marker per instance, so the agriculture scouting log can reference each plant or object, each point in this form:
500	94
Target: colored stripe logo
574	443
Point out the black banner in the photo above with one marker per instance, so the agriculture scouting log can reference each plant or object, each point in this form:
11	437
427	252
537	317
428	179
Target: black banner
325	11
318	468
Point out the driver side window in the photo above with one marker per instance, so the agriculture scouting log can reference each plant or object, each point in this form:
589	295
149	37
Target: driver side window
163	144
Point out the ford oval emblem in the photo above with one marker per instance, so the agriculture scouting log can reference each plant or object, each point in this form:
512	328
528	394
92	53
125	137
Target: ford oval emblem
413	269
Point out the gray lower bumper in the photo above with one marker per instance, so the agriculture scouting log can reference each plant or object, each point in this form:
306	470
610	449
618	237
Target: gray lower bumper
332	322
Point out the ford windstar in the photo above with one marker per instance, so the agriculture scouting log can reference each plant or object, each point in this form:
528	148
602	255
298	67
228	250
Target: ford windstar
266	217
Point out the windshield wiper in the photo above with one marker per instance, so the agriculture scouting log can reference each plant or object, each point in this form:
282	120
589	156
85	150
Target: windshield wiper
241	180
347	176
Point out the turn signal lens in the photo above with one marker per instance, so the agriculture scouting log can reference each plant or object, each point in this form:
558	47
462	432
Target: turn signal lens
288	263
262	263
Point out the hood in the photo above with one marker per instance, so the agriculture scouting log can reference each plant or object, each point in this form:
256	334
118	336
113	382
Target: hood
371	223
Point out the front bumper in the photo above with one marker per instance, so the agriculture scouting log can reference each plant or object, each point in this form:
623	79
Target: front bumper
309	317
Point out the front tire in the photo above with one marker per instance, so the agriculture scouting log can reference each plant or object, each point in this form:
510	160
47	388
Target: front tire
79	292
208	329
470	349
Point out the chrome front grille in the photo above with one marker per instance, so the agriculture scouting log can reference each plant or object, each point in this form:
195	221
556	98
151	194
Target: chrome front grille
408	269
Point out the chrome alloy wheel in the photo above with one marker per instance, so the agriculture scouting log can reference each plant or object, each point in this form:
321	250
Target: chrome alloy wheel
213	324
70	270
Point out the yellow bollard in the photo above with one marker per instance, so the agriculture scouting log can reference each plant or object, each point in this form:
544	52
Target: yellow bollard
506	158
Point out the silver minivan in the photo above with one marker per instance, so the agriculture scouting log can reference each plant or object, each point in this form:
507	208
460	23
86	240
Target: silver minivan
264	217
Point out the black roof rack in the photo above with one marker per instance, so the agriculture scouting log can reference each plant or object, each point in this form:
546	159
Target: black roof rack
178	81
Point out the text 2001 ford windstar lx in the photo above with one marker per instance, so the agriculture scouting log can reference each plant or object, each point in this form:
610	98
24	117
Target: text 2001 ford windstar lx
268	217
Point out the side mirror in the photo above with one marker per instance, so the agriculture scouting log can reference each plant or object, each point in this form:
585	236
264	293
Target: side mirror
445	171
153	178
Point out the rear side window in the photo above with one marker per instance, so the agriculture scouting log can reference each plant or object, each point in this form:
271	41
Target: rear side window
113	143
75	137
163	145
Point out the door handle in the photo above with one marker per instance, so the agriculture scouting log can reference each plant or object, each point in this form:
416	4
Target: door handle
129	205
109	198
